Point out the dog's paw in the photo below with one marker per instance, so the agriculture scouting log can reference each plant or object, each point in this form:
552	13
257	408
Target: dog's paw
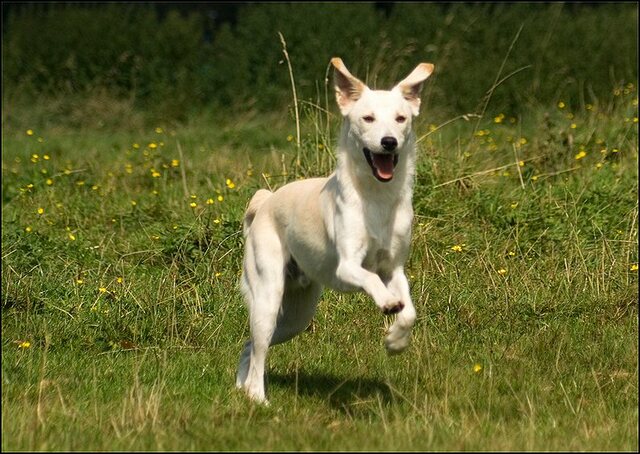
397	340
392	308
257	397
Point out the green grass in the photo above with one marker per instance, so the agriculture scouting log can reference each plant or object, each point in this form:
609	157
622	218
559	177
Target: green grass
527	331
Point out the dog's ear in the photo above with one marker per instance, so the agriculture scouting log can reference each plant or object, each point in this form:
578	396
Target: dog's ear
348	87
411	85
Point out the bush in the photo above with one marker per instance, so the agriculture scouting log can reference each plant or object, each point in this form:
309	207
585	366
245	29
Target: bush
577	52
123	47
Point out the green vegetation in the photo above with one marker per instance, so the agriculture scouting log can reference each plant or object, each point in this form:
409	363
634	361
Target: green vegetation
122	321
163	65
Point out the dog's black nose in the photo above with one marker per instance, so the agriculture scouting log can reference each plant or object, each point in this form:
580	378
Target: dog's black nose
389	143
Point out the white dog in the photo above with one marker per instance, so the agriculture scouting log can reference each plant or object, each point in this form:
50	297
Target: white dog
350	231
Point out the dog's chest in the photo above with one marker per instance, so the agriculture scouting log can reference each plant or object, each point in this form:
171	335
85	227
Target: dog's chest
387	230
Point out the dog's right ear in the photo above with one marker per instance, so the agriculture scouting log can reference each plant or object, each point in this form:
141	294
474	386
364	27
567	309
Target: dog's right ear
348	87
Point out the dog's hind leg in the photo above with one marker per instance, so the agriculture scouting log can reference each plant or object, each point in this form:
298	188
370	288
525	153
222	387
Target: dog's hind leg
263	286
298	308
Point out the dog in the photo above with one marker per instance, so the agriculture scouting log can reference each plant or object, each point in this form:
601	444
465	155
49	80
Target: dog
350	231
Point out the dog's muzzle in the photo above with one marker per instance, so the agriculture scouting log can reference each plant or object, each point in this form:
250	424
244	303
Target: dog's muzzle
382	164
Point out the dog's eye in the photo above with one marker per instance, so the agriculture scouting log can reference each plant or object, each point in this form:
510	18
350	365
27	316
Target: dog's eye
401	119
368	118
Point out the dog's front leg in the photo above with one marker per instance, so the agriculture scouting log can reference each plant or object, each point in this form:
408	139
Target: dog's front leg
400	331
351	272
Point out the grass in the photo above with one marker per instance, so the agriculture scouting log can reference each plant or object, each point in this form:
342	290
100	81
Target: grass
122	321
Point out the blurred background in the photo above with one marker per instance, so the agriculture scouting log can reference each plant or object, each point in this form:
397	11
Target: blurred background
99	63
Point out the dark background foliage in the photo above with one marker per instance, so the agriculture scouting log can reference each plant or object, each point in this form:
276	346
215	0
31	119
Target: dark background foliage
181	57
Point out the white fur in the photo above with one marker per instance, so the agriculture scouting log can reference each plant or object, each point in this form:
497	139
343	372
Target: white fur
350	231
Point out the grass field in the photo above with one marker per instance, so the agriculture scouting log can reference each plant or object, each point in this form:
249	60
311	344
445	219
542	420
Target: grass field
122	321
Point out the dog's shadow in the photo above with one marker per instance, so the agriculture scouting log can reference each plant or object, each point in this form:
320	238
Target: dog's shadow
348	395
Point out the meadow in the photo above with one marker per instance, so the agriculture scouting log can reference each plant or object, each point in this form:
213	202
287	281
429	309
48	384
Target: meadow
122	320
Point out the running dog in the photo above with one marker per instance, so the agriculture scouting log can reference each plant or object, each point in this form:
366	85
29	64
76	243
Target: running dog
350	231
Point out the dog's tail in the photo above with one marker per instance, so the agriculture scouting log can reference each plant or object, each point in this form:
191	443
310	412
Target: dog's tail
254	205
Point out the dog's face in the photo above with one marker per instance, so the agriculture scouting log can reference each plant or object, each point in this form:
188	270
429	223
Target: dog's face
379	120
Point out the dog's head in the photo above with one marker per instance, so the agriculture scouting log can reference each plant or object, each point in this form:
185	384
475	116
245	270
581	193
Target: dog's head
379	120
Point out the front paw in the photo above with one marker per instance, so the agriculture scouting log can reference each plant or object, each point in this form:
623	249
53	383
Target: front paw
391	306
393	309
397	340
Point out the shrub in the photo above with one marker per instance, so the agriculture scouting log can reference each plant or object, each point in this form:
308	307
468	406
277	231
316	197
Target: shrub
168	63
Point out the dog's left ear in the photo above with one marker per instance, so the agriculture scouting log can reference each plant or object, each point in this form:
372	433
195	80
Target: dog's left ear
411	85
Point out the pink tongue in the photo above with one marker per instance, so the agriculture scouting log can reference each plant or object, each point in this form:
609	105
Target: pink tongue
383	164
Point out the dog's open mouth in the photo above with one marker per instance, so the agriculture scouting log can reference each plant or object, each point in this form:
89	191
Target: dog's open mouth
382	164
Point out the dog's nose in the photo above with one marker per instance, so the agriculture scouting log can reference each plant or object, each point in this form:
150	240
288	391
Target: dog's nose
389	143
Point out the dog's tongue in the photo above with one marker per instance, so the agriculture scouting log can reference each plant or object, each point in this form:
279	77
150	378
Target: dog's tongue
383	164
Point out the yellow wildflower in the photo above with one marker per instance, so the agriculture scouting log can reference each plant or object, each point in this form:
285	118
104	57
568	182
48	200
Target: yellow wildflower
456	248
580	155
24	344
502	271
40	210
477	368
175	163
29	132
633	267
561	105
